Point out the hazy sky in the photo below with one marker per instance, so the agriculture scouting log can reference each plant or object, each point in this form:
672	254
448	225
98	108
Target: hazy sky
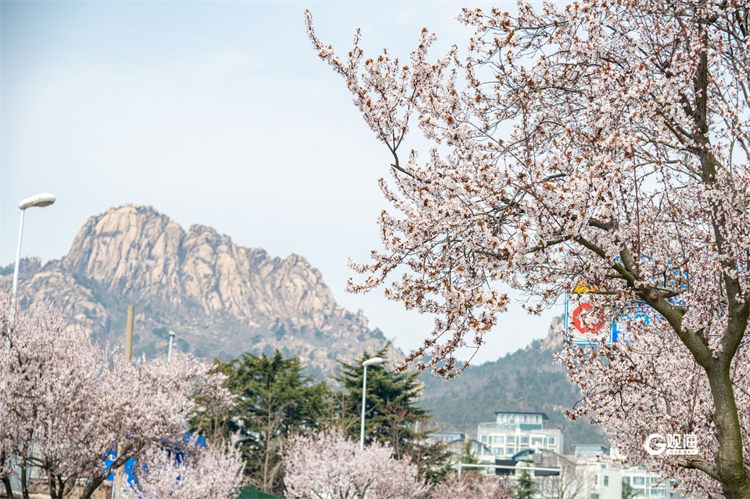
216	113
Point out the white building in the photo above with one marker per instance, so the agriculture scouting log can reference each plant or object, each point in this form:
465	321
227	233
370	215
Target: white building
607	480
513	432
648	485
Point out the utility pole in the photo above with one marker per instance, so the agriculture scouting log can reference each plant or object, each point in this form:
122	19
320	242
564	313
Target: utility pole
117	483
129	335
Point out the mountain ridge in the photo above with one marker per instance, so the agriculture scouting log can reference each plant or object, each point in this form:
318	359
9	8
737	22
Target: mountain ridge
221	298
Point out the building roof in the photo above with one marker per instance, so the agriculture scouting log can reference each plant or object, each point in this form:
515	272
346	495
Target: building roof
544	415
590	450
590	446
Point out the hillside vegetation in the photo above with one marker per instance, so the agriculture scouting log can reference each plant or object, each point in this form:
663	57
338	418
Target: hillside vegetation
526	380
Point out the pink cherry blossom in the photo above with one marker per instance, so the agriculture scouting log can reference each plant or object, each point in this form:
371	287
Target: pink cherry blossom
604	143
65	401
474	485
328	465
214	471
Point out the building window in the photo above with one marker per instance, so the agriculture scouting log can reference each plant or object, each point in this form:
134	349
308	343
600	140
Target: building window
639	480
606	480
499	439
551	440
525	439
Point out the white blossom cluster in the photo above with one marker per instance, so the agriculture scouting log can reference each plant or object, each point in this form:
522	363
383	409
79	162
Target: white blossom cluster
66	402
603	143
327	464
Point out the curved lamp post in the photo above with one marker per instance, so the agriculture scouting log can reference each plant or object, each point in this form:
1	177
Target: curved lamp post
369	362
40	201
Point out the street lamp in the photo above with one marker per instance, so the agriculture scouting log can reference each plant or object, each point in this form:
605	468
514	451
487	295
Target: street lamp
169	350
369	362
38	200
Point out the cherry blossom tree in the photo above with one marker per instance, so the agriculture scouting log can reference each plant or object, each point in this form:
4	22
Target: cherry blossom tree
48	383
326	464
603	143
473	485
212	471
149	402
66	401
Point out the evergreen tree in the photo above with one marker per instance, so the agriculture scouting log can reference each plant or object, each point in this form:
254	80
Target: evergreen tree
432	458
525	486
392	414
627	490
274	400
468	457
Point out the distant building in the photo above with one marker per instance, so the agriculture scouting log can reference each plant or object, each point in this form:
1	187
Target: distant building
647	484
513	432
519	439
606	480
458	443
590	450
448	438
593	478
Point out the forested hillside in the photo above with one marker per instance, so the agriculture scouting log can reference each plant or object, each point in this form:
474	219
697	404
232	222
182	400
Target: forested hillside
526	380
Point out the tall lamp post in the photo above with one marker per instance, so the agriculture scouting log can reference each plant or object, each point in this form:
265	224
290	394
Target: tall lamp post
38	200
369	362
169	350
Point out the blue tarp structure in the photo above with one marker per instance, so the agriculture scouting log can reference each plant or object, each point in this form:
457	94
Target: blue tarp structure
128	469
130	464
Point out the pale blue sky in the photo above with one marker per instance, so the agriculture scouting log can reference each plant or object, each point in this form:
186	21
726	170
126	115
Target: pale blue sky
216	113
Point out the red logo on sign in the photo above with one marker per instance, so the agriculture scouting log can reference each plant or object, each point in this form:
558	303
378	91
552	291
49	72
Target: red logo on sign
579	315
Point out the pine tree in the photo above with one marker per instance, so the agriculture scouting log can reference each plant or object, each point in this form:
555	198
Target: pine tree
392	414
525	486
274	400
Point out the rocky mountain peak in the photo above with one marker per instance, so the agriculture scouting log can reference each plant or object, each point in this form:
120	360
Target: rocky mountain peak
222	296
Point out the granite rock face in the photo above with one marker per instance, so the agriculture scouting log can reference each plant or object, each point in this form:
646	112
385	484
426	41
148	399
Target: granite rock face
220	298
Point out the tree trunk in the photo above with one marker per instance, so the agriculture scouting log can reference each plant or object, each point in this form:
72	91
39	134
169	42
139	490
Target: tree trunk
52	486
91	485
265	466
735	480
8	488
61	486
24	480
6	478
